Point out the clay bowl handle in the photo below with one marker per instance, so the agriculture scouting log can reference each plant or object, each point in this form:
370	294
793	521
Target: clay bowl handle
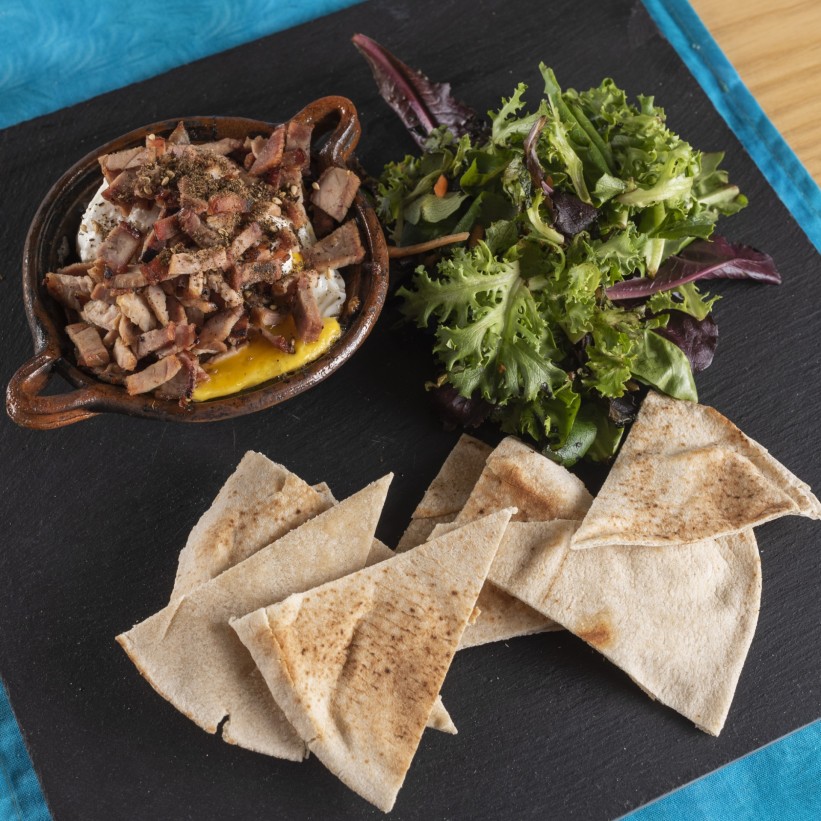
320	116
28	408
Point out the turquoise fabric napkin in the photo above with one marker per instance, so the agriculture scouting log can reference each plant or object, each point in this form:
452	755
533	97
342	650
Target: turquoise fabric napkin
40	41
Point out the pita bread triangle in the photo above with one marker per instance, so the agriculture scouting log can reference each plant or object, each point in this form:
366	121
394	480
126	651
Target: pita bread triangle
687	473
448	491
678	622
259	502
357	664
190	655
439	718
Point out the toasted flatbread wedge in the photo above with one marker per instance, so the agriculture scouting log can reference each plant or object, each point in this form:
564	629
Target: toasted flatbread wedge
678	622
448	492
517	476
356	664
190	655
439	718
687	473
260	502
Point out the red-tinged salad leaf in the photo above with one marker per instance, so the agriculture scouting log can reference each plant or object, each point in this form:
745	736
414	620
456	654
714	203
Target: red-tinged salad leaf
570	215
702	259
534	166
697	338
421	104
456	410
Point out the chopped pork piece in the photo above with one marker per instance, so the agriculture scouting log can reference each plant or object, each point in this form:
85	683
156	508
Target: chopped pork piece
179	136
192	225
135	307
340	248
157	301
113	164
153	376
189	198
194	285
122	190
129	332
118	248
176	311
133	277
90	348
208	259
221	288
270	154
102	314
218	326
228	202
306	313
263	317
245	239
224	146
336	192
167	228
71	291
298	136
278	340
185	337
124	356
152	341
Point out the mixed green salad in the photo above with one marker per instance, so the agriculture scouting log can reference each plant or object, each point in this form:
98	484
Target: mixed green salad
589	223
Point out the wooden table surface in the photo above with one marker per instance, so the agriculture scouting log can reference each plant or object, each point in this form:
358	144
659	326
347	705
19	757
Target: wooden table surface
775	45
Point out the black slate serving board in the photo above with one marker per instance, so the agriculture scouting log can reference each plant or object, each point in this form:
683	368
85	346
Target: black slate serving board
94	515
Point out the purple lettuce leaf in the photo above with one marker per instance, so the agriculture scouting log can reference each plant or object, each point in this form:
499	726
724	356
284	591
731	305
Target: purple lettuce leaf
534	167
570	214
698	339
455	410
421	104
702	259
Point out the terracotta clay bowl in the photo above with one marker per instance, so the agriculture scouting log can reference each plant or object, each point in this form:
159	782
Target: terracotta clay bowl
55	226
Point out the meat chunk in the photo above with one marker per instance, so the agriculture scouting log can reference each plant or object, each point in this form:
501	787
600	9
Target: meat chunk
218	326
119	247
179	136
90	349
305	310
222	147
270	155
157	301
153	376
192	225
136	309
152	341
228	202
340	248
193	263
133	277
263	317
220	287
245	239
102	314
71	291
123	355
336	192
298	137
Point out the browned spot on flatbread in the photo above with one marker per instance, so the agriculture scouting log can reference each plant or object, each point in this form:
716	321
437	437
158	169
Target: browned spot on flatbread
599	631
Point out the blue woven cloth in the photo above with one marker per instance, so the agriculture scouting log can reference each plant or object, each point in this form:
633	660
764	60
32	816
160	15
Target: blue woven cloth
54	53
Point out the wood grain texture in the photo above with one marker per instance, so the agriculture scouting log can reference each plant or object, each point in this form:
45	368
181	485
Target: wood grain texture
93	516
776	48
